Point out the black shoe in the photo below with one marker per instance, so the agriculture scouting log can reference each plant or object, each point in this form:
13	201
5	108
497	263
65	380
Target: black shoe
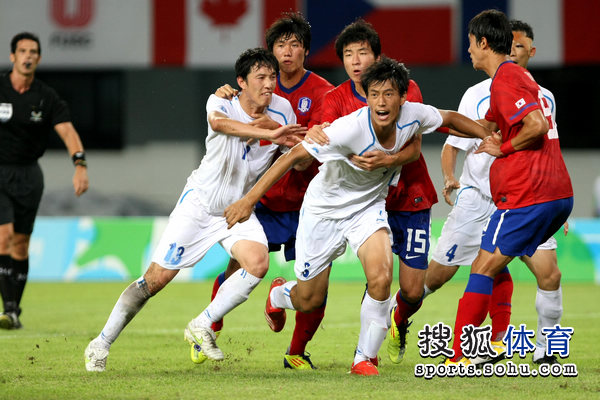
547	360
10	320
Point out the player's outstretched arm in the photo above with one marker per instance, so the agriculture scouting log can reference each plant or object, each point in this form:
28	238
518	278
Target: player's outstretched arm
371	160
448	162
462	126
72	142
241	210
287	135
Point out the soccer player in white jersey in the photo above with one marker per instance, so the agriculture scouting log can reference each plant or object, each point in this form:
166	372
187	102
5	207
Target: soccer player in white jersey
231	165
346	204
461	234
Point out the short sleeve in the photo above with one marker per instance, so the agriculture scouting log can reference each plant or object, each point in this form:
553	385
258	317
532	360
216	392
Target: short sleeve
215	103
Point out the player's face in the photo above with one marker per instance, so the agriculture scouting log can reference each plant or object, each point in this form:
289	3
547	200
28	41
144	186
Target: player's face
385	101
290	54
26	57
357	58
259	85
522	49
475	51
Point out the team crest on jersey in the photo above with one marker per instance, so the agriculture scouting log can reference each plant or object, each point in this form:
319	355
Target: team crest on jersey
520	103
36	116
304	105
6	111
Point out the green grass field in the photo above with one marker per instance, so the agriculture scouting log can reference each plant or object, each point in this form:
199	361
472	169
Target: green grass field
151	361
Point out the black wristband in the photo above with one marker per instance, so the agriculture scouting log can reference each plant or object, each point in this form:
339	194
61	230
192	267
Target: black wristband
80	155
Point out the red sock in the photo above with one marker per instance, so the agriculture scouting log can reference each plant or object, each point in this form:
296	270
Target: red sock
500	304
405	309
217	326
306	326
472	308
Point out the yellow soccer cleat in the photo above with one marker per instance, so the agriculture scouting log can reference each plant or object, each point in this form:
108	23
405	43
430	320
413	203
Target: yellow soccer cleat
396	345
297	361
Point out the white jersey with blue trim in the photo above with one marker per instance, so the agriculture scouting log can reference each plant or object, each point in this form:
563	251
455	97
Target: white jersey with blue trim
231	166
341	189
475	104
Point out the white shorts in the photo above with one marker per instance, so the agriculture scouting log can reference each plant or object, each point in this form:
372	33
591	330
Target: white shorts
549	244
191	232
319	241
461	235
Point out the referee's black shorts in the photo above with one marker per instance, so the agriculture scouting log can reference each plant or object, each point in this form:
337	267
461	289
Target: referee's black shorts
21	188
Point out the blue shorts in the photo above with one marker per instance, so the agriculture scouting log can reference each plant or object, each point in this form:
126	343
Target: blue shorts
280	228
411	236
519	231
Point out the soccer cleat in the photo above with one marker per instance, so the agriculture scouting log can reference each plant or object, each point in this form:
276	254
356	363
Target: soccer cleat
275	316
546	360
298	361
374	360
10	320
95	357
205	338
396	345
462	360
196	353
499	347
365	368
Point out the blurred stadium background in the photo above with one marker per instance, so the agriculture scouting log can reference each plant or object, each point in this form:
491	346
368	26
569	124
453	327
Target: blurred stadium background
137	73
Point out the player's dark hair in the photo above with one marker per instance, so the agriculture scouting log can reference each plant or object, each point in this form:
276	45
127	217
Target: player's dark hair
386	69
357	32
289	25
520	26
495	27
255	58
21	36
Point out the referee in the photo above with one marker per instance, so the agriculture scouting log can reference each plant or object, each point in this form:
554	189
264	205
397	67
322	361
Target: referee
29	111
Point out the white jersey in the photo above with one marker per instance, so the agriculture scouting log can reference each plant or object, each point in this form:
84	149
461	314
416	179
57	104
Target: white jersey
475	104
231	166
340	189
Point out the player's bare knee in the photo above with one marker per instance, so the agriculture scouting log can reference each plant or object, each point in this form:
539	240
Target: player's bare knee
379	287
6	237
309	302
256	262
412	294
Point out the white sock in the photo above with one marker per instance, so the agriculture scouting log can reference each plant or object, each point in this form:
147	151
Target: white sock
548	304
373	328
233	292
280	296
128	305
426	291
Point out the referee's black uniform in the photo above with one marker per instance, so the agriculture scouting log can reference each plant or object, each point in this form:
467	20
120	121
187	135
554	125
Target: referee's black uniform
26	122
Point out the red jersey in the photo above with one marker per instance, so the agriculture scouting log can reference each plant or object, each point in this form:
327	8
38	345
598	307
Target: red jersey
306	99
538	173
415	191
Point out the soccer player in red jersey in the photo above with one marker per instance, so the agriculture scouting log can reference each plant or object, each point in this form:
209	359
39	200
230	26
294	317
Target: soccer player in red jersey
289	39
409	203
529	181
